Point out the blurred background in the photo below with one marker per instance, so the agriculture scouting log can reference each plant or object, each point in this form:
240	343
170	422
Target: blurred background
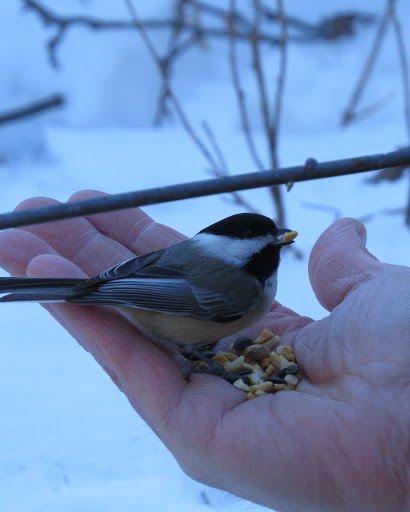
221	88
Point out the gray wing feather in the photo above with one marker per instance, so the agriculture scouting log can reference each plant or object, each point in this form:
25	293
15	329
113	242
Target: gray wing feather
170	296
152	284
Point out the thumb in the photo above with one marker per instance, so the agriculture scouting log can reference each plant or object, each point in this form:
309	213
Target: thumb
339	261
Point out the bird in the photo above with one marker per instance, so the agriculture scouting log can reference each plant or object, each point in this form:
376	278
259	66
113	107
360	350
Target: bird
195	293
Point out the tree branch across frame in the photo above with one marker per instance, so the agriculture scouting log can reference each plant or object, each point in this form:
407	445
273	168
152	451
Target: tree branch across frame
309	171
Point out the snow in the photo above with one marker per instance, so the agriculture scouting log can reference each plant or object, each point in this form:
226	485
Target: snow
68	439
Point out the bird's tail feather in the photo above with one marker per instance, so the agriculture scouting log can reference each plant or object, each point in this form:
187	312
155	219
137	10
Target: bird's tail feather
36	289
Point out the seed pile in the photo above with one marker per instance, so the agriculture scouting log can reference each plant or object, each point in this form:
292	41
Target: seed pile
256	367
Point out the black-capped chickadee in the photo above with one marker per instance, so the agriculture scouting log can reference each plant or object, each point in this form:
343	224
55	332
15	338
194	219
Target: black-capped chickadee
196	292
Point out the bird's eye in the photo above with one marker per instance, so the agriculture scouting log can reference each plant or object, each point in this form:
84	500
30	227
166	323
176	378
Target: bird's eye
247	233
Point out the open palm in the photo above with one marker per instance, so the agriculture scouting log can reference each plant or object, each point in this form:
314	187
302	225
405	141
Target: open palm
339	442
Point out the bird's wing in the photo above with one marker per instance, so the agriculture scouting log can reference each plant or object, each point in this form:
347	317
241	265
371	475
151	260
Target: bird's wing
146	284
121	270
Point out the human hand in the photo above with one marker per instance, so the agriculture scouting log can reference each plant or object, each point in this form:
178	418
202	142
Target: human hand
339	442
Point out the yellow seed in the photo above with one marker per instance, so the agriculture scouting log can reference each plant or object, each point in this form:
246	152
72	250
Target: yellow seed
220	360
263	386
290	236
265	362
241	385
272	342
281	387
264	337
234	366
199	363
291	379
254	378
284	363
275	359
286	351
269	370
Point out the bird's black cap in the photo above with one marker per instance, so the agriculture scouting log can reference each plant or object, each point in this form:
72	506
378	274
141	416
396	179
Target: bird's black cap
242	226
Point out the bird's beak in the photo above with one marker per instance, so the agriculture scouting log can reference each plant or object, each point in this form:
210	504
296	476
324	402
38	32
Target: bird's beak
284	237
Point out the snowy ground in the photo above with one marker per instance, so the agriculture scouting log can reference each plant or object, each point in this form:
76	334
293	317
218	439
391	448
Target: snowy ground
68	439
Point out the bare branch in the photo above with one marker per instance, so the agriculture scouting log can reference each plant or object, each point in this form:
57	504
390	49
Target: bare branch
282	70
275	127
310	171
267	117
56	100
223	170
403	65
240	95
172	52
171	95
350	111
337	213
305	32
257	65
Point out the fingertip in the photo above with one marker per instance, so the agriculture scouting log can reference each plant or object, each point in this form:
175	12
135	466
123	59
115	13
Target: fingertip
53	265
35	202
339	260
82	195
18	247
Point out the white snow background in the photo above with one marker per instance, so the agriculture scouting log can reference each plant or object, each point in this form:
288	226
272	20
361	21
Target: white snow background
69	440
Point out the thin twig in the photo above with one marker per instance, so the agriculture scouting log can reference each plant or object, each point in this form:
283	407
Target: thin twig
373	107
63	23
172	52
350	111
406	87
223	170
240	95
171	95
403	65
205	188
257	65
337	213
282	73
267	118
277	111
387	211
305	32
56	100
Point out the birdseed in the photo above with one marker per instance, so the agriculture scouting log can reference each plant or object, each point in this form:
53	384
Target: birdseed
259	367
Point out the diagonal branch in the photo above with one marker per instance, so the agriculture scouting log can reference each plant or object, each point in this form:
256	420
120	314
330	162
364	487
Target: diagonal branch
170	93
403	64
310	171
56	100
350	111
240	95
269	118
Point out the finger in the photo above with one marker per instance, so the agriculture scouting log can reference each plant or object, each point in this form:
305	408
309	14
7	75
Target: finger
77	240
18	247
339	261
132	228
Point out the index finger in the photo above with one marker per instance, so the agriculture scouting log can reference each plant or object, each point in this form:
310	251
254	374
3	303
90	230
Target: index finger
132	227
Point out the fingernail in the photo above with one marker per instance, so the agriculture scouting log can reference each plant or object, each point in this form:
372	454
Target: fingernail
361	231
